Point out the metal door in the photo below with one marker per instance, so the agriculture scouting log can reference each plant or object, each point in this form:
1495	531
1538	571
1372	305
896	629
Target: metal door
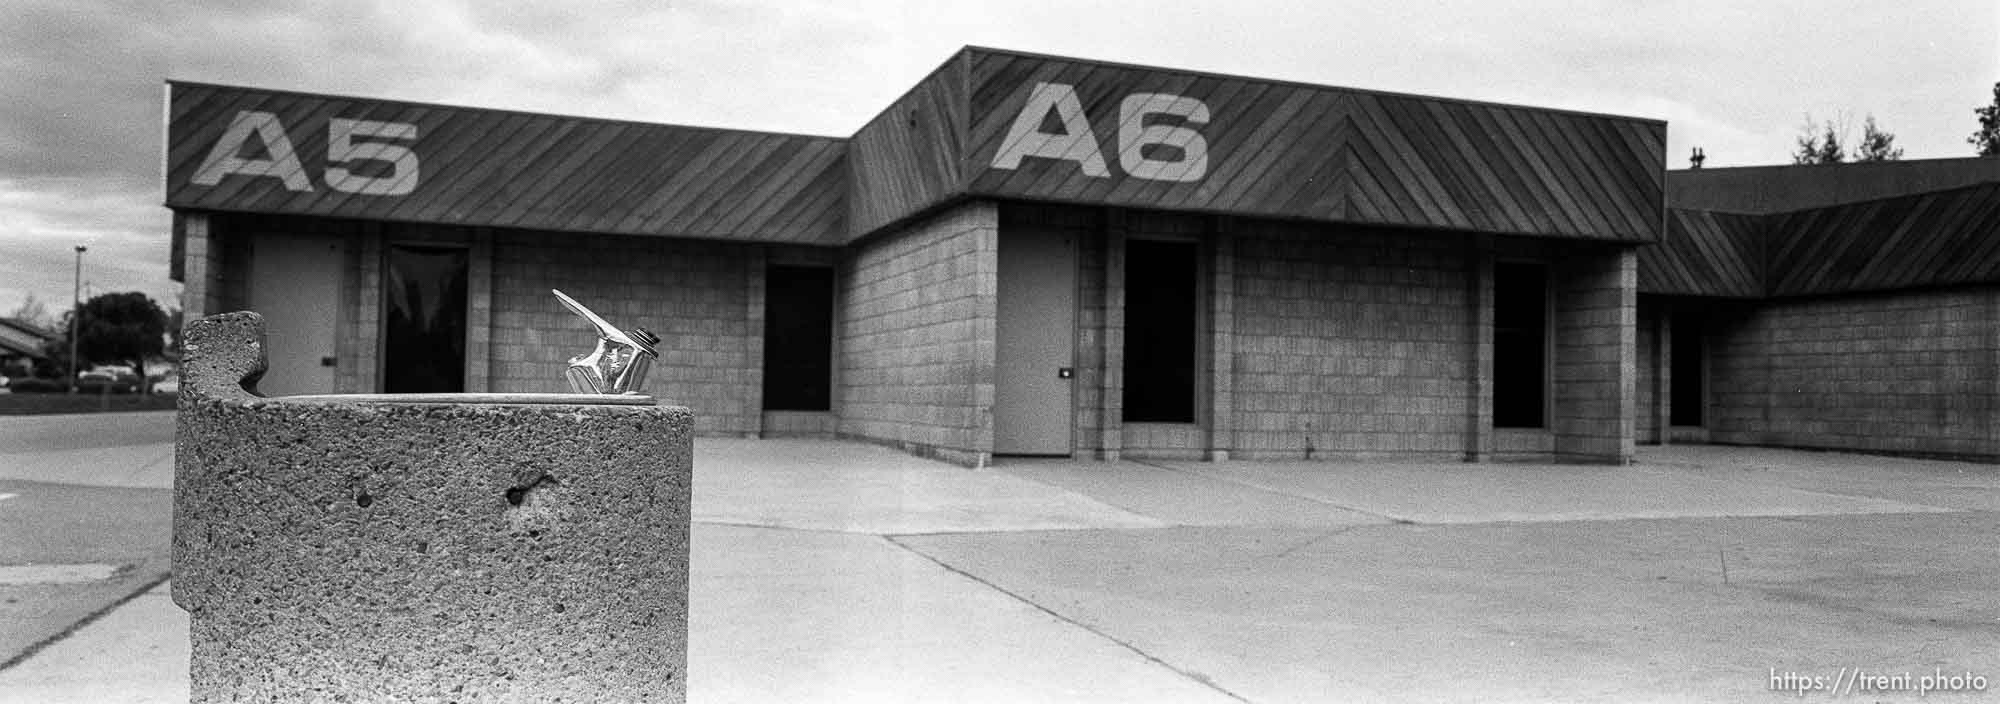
1035	334
295	284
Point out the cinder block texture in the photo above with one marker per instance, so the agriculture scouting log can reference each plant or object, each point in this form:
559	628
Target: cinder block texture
1596	354
696	295
1651	383
1913	372
1350	341
917	310
404	552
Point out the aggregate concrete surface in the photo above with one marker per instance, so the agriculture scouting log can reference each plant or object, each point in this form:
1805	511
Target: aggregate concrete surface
416	552
825	571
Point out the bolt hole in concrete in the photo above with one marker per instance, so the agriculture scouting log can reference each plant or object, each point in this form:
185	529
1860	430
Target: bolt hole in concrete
521	494
364	500
536	507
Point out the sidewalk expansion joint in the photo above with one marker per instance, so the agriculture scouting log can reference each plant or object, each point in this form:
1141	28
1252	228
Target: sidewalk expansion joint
31	650
1398	520
1191	676
1309	542
770	526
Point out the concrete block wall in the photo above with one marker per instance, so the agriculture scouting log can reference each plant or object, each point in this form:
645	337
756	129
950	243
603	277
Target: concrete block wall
1221	344
704	299
1653	376
201	265
1906	372
1349	341
359	343
696	295
1595	369
1481	442
799	424
916	335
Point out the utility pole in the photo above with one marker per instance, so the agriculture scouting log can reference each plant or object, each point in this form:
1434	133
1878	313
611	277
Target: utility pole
75	318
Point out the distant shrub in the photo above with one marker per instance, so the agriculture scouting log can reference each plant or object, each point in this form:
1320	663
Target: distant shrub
30	385
90	385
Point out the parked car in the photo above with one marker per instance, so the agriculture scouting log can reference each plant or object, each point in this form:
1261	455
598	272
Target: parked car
117	380
35	385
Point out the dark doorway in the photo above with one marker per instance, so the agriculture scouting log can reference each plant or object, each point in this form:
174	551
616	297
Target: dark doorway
423	319
798	338
1520	345
1161	285
1688	402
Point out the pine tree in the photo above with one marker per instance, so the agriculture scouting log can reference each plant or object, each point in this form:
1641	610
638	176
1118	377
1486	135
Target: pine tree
1876	144
1987	139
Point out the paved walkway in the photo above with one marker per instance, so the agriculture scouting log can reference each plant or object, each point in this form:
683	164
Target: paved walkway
842	572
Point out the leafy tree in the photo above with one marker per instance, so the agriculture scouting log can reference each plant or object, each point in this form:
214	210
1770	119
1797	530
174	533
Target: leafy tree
1817	146
33	312
1987	139
1876	145
117	328
1823	143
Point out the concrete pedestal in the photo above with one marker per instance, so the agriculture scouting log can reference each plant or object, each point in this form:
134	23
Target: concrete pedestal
377	550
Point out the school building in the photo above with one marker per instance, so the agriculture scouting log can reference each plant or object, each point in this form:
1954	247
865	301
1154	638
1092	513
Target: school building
1038	255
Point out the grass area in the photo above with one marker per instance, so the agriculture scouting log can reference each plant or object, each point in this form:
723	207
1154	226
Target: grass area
12	404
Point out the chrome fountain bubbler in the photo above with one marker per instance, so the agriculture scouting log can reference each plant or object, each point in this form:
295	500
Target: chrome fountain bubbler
618	365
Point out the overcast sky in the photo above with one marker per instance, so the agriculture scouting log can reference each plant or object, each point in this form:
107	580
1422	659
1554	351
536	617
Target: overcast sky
80	81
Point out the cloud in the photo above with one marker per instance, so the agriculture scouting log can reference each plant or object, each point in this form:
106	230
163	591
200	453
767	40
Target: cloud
79	136
121	222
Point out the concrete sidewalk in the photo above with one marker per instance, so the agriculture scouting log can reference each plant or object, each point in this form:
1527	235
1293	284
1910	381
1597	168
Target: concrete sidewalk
840	572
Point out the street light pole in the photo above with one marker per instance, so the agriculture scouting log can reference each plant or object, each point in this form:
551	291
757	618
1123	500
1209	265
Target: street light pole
75	317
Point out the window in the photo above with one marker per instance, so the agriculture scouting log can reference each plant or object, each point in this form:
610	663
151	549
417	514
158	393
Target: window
423	319
1687	401
1520	345
798	338
1161	284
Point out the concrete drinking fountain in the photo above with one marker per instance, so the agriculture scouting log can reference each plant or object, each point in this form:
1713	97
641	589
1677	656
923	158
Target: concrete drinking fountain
433	547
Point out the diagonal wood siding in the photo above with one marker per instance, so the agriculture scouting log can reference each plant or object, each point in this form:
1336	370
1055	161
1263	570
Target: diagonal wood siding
1272	149
508	169
1938	238
908	158
1289	150
1706	253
